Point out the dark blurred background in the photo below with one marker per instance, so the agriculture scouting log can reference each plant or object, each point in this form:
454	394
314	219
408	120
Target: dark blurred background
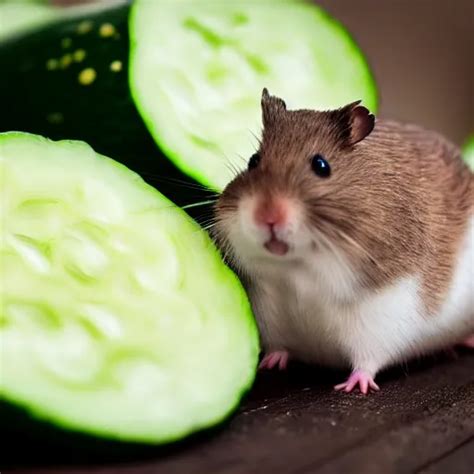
422	55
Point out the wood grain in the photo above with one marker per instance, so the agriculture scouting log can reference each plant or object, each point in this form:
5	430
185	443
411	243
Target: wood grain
421	421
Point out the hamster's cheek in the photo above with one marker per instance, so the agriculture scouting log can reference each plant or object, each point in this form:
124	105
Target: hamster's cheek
301	243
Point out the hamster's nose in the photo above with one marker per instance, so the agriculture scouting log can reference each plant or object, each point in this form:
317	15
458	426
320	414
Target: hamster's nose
271	213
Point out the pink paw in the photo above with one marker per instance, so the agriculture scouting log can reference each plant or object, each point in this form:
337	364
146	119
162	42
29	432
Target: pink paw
469	342
361	379
273	359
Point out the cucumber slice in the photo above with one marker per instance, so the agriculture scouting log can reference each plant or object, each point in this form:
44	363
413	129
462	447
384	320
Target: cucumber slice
197	70
468	152
118	317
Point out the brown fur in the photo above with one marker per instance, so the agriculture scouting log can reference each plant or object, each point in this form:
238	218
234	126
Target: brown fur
398	202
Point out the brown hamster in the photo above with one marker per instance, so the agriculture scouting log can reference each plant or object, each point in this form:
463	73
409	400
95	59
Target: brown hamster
355	238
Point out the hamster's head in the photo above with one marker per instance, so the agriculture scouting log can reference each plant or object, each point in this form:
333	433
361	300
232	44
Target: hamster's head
299	192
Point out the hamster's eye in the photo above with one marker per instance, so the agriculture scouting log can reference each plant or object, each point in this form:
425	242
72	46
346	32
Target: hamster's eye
320	166
254	160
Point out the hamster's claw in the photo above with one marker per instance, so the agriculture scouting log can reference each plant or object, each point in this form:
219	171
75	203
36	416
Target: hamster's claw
359	378
274	359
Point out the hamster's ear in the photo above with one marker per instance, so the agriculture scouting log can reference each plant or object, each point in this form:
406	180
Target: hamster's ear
356	122
272	107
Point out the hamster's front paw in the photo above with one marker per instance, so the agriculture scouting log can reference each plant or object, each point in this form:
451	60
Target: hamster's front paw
361	379
274	359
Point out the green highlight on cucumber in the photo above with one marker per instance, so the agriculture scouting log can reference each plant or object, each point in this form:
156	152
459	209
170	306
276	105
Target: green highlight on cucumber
118	317
197	70
468	152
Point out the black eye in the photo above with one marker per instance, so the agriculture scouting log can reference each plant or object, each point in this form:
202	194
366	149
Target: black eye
320	166
254	160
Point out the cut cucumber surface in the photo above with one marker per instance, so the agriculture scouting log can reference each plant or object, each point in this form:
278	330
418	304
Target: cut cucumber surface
118	318
197	70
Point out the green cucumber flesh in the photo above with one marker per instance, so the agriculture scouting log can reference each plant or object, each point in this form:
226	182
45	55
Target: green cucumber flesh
118	318
197	71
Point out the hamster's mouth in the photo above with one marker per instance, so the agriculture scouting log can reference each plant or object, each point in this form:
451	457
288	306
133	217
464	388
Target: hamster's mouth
276	247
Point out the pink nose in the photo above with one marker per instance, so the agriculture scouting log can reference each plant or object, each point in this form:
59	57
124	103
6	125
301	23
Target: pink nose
271	213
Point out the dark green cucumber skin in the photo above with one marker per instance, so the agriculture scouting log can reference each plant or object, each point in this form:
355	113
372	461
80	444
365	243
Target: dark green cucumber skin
29	441
102	114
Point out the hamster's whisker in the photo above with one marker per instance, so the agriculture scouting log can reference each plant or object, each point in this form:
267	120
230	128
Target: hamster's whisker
259	141
180	182
206	219
233	169
355	244
207	223
335	227
244	160
197	204
231	166
227	255
219	235
209	226
330	245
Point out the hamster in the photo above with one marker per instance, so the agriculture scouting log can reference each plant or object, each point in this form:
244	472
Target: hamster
354	238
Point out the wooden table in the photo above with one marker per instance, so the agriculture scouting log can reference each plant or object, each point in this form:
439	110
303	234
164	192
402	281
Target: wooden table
422	421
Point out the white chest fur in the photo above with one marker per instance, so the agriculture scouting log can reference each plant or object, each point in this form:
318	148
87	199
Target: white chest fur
317	311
